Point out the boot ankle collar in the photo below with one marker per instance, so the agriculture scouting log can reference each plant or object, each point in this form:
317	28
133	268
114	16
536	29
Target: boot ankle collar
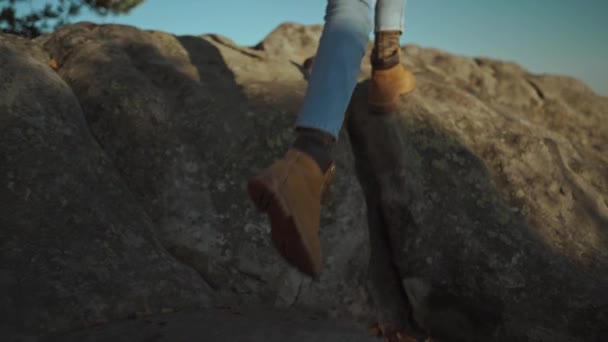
385	63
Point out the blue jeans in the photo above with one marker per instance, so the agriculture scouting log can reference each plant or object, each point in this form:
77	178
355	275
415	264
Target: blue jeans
338	60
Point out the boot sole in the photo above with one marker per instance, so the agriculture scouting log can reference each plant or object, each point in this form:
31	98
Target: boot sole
284	232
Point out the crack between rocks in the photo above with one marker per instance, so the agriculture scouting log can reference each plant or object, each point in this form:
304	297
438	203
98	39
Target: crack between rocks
205	277
381	249
252	276
297	297
385	242
539	92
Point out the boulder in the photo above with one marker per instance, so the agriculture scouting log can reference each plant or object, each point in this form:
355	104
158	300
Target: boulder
491	184
479	208
76	246
186	121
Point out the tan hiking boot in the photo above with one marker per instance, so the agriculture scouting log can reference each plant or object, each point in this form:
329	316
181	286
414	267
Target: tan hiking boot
290	192
390	80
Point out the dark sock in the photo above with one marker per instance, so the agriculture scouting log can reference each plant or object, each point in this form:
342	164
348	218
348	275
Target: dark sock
317	144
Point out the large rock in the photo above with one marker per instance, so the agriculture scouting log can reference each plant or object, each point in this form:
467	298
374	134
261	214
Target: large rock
186	121
491	184
76	247
481	204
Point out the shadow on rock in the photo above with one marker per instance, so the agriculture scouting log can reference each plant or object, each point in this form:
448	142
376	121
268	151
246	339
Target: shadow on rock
472	266
77	248
161	121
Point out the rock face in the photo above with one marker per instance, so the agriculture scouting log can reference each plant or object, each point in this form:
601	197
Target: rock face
182	122
491	183
480	204
186	120
76	247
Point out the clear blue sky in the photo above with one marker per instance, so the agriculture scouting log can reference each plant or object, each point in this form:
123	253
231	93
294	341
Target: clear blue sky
568	37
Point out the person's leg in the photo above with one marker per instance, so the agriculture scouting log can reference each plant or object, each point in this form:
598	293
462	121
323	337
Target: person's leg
389	79
389	15
336	67
333	78
290	190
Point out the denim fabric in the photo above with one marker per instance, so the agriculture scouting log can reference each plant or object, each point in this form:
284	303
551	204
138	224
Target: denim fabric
390	15
348	24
